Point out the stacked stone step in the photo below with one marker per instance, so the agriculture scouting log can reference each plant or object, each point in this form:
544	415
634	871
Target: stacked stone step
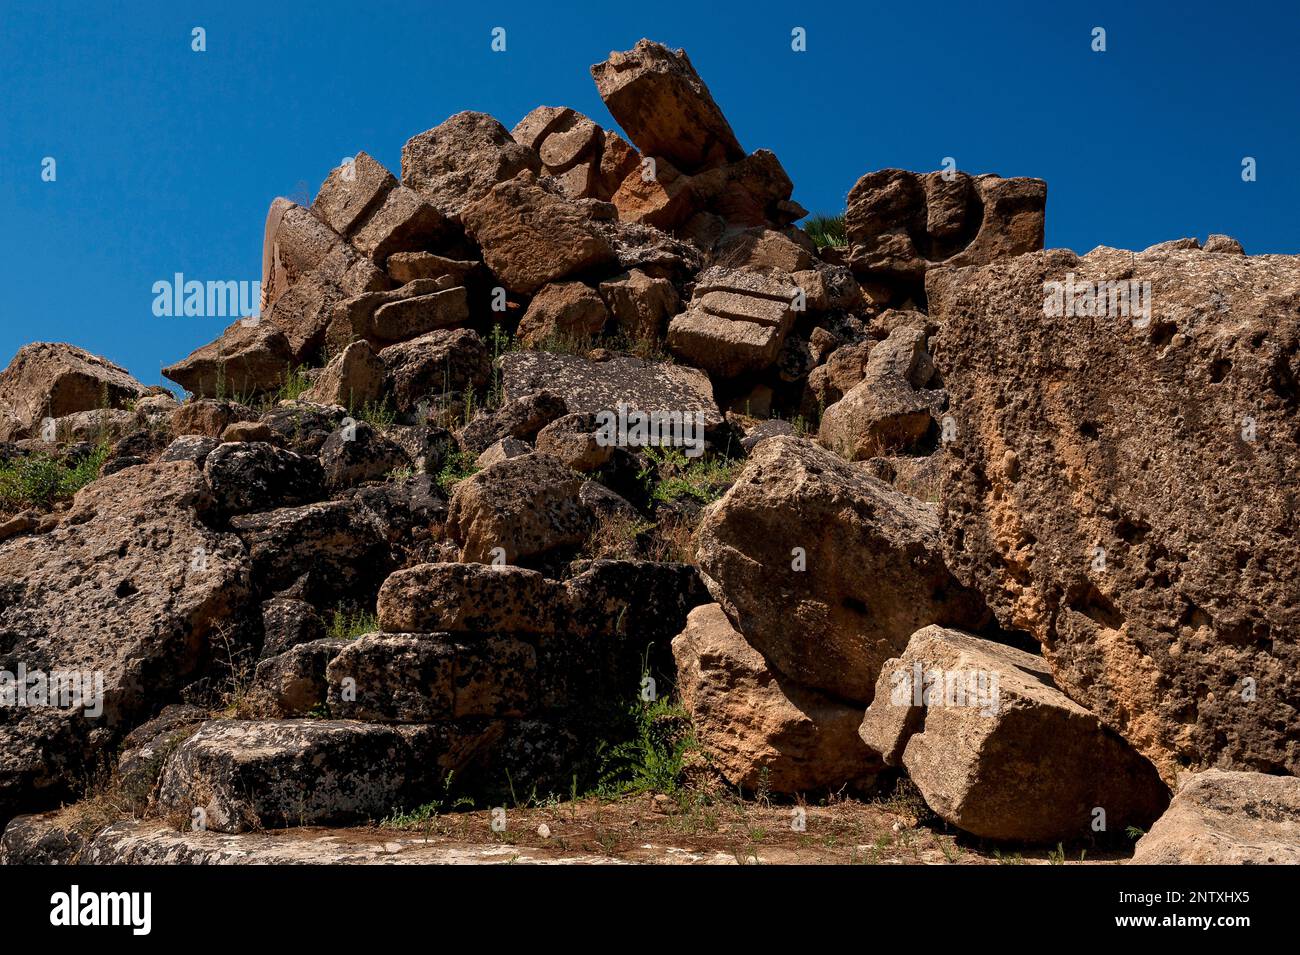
736	322
496	674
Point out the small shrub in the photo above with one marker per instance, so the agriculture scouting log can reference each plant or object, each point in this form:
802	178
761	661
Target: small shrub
111	796
380	414
30	482
673	541
563	343
623	537
926	488
676	477
501	341
907	802
457	466
617	537
296	381
229	689
803	428
425	816
40	480
84	470
223	392
647	349
826	231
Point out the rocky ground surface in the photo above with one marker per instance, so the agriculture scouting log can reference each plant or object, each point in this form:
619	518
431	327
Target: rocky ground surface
566	502
651	829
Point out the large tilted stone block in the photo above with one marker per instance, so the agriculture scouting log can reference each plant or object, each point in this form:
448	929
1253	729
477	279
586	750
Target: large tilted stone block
365	203
52	380
460	160
997	750
662	104
531	235
1125	471
587	161
295	242
592	387
134	585
250	358
826	570
761	731
352	192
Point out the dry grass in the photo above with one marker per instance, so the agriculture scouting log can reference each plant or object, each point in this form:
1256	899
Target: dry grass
617	537
622	537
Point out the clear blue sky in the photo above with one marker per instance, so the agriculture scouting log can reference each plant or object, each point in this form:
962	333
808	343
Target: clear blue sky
167	158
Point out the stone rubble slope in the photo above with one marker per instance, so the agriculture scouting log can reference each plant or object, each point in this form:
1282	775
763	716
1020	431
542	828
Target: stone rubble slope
558	426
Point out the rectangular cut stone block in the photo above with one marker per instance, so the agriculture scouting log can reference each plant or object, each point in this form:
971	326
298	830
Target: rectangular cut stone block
747	308
409	317
997	750
351	192
722	345
403	222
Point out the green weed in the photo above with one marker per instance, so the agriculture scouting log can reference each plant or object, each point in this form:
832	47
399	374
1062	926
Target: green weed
296	381
676	477
654	758
457	466
39	479
380	414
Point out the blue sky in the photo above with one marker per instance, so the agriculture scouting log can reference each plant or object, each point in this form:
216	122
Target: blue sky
167	158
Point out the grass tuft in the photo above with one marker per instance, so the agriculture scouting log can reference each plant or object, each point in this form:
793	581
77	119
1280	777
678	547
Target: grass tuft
295	383
379	414
348	624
